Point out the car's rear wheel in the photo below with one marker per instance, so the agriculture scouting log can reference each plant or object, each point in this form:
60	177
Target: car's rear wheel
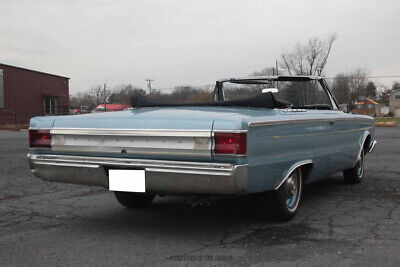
287	197
134	200
355	174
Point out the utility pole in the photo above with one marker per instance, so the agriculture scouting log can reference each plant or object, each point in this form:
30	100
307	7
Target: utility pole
105	97
273	82
149	84
277	72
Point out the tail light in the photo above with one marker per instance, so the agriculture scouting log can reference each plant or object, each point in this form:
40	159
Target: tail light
230	143
39	138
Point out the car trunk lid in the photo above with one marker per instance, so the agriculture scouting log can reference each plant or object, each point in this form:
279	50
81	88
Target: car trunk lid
144	132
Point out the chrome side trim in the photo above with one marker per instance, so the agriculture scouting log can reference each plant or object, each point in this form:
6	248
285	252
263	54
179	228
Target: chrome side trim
291	169
230	155
39	129
230	131
372	146
278	122
293	110
132	132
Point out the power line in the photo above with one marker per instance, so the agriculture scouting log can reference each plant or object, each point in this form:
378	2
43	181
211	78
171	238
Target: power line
329	78
212	85
370	77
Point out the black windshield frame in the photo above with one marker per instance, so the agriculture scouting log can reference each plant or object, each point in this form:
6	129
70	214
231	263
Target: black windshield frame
219	86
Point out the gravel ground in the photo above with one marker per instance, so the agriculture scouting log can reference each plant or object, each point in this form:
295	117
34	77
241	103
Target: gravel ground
45	223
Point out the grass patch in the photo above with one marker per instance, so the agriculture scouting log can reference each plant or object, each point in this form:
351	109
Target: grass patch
387	119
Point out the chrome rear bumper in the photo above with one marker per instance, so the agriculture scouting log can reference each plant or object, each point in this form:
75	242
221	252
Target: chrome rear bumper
166	177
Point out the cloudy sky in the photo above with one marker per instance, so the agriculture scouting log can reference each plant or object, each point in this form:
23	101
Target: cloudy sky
179	42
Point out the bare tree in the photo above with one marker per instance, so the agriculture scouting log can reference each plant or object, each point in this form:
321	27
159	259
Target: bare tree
396	85
357	81
188	94
82	100
384	97
263	72
122	94
74	101
308	59
350	87
340	88
99	94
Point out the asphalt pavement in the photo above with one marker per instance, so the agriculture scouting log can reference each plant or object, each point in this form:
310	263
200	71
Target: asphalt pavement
44	223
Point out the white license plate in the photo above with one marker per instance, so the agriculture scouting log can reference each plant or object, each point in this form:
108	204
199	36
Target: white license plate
127	180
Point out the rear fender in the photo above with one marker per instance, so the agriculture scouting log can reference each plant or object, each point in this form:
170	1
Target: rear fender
292	169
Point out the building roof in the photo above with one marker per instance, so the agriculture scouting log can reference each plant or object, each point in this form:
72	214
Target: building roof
395	91
2	64
368	100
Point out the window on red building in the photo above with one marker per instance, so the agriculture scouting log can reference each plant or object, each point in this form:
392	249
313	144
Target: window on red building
50	105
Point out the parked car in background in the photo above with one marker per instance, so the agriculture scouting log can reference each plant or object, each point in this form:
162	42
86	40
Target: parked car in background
260	134
79	110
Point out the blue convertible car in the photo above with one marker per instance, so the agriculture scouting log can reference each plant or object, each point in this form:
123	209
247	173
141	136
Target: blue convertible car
260	134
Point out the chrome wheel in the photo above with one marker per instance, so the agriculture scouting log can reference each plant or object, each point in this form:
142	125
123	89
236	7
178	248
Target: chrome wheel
292	190
287	196
360	165
355	175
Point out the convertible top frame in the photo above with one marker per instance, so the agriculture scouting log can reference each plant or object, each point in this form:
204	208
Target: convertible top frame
271	78
219	94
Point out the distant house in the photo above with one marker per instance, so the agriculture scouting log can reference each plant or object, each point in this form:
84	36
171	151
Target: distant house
366	106
110	107
394	103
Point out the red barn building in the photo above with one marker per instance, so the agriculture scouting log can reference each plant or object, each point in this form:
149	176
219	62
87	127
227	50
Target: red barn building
26	93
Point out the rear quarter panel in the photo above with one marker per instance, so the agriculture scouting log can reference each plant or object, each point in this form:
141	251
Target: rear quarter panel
349	133
284	140
275	147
